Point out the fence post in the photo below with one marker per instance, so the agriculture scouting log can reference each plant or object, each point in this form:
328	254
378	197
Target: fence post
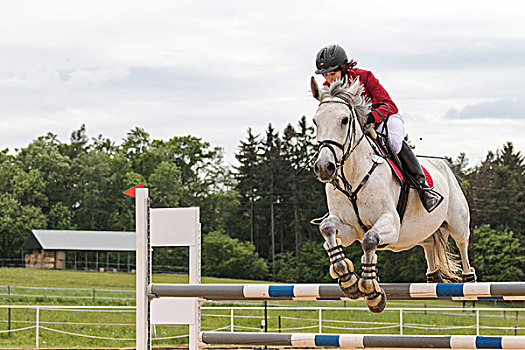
93	294
231	320
37	325
320	320
401	321
477	322
265	316
9	321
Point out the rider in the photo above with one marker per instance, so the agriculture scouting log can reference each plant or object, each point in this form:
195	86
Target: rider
333	64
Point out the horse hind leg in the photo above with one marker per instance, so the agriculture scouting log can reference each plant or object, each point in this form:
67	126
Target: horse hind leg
461	237
433	272
457	225
341	268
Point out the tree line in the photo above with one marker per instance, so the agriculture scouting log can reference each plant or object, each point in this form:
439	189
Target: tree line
255	215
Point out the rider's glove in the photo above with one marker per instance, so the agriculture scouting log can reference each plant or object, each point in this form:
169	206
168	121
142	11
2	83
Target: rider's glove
371	119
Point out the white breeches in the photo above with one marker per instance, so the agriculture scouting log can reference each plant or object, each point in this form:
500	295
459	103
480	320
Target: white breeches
396	131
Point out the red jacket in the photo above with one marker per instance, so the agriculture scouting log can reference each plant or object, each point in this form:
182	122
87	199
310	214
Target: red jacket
374	91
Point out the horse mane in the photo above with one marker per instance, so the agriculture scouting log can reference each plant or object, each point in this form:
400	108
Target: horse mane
351	92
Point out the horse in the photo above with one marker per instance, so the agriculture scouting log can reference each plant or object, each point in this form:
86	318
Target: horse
362	192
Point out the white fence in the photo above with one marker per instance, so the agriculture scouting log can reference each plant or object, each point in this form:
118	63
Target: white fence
237	317
67	293
323	323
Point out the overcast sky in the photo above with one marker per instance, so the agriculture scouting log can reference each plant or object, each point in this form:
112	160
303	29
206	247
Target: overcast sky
456	69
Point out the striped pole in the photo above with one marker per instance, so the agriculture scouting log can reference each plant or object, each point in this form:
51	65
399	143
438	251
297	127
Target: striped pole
309	340
394	291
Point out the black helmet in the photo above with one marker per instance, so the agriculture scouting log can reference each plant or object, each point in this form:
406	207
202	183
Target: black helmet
330	58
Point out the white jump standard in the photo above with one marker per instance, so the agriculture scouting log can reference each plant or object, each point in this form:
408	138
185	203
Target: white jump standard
157	227
394	291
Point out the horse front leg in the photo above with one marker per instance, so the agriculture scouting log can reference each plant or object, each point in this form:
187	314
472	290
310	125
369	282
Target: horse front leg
341	268
375	296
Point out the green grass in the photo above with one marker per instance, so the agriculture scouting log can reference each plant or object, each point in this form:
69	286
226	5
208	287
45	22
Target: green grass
91	279
81	284
123	322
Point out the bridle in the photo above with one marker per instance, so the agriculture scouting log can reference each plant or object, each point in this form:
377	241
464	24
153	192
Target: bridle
350	135
340	181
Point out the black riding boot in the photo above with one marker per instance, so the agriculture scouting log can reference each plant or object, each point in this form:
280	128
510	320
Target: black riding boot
430	198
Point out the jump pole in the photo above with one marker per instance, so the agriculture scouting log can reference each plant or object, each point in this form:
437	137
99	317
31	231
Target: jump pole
318	292
157	227
358	341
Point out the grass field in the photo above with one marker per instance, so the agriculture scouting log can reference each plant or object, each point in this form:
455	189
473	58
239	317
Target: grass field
93	323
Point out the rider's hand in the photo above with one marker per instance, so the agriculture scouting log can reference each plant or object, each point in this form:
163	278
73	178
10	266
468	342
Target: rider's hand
371	119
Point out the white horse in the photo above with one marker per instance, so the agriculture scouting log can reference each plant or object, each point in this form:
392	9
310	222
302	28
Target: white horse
362	193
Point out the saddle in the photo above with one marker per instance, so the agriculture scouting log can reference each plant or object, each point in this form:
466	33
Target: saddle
384	150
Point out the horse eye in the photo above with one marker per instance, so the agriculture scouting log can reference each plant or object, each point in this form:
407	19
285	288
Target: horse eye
345	121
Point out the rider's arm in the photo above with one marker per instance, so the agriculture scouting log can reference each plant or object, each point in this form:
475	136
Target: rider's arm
379	94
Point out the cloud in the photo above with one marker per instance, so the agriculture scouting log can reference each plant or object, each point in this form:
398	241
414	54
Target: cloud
452	53
94	77
213	69
505	108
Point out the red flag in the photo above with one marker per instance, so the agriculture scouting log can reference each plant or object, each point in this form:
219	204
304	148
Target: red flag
131	191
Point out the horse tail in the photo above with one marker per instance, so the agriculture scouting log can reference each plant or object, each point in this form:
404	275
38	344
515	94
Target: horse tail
446	260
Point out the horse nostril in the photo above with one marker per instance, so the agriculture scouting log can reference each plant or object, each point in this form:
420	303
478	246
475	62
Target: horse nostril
331	168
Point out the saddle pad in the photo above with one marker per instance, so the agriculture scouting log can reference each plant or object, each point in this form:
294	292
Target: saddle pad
399	174
428	177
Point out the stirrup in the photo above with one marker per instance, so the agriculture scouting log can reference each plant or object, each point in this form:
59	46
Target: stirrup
317	221
430	199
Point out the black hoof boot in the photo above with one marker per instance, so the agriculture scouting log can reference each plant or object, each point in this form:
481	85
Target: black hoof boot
469	276
349	284
342	269
435	277
376	302
375	296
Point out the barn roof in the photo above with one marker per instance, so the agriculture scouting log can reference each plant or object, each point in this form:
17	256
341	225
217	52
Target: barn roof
80	240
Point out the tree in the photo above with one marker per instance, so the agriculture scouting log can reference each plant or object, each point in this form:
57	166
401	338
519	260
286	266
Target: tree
499	255
93	191
44	155
16	221
249	158
223	256
315	264
498	190
269	167
306	197
166	185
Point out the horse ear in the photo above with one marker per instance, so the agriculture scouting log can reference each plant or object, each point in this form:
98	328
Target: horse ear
316	92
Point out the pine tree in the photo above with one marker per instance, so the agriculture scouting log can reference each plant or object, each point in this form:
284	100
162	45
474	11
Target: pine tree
249	157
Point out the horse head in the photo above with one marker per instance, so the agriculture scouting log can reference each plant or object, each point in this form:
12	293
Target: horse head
342	110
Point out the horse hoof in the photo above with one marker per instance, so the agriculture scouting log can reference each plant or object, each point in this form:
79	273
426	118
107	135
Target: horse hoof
350	289
352	292
469	276
377	304
435	277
